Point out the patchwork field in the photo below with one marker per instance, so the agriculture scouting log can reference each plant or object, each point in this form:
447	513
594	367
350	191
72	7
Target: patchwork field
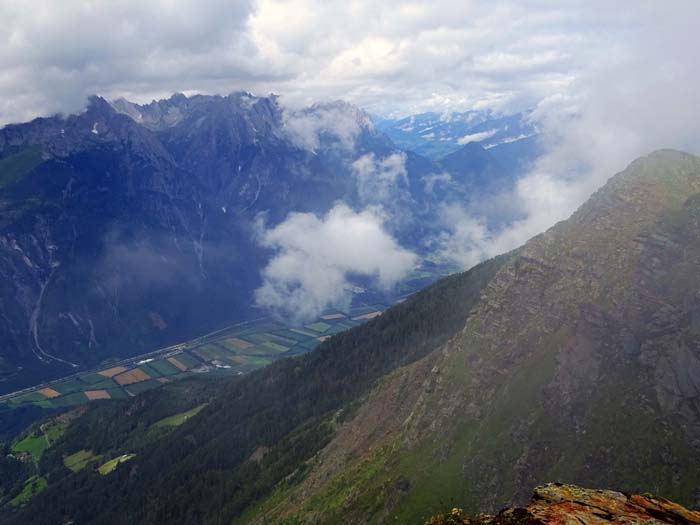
235	350
132	376
92	395
110	372
49	393
175	361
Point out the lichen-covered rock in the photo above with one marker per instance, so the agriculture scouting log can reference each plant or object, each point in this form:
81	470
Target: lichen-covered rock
556	504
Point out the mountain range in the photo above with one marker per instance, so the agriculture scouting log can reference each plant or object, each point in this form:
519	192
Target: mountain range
128	227
510	139
574	358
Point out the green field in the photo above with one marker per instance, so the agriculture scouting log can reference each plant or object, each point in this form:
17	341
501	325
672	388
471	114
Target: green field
117	393
32	444
40	439
362	310
137	388
277	338
112	464
163	367
295	335
76	398
32	487
178	419
187	360
319	327
53	430
31	397
274	346
211	352
92	379
104	384
255	361
147	369
68	387
78	461
309	344
307	333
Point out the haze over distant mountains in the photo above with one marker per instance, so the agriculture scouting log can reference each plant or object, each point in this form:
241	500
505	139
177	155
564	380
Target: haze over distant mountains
129	226
435	135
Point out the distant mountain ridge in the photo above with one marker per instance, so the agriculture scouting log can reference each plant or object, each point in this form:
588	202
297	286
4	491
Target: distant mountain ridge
436	135
126	213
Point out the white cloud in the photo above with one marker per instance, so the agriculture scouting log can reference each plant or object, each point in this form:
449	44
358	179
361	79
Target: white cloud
53	55
338	122
541	200
317	256
379	180
389	57
477	137
637	97
430	181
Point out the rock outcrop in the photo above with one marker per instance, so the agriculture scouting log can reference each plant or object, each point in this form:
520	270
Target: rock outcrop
557	504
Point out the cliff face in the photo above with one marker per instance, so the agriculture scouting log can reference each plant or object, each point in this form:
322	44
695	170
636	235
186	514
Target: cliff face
579	364
556	504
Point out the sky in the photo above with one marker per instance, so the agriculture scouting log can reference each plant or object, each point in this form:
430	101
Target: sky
391	57
606	82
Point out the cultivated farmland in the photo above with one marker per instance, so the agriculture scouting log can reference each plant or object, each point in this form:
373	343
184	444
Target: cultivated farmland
238	349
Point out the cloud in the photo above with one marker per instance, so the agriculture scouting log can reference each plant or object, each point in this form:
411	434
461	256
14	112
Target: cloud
389	57
54	55
317	257
477	137
436	179
637	97
337	122
380	180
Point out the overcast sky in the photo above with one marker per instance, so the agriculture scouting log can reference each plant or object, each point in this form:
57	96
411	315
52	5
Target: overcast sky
393	57
608	81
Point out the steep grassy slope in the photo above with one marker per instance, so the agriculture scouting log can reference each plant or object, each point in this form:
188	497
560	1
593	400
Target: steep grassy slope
256	434
581	363
574	359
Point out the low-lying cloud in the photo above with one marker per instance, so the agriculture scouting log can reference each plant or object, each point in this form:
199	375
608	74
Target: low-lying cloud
476	137
316	258
337	123
379	179
638	97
